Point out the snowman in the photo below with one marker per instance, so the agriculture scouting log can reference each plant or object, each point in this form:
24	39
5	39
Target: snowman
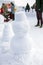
1	25
20	44
1	19
7	32
6	37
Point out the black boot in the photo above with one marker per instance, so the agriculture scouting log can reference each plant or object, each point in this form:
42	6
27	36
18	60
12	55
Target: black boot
41	24
37	24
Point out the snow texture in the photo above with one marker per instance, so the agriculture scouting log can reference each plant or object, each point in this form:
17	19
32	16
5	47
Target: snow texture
21	43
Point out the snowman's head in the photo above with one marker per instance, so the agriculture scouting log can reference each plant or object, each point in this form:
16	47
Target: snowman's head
21	27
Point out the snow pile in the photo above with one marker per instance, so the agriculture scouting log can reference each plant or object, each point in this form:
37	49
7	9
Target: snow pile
31	13
20	28
1	30
26	45
7	33
36	55
20	44
1	18
20	16
1	25
21	24
20	8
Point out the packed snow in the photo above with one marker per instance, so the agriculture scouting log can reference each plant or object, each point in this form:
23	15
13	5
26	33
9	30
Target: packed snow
21	43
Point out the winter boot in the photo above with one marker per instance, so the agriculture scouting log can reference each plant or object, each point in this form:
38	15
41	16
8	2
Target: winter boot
37	24
41	24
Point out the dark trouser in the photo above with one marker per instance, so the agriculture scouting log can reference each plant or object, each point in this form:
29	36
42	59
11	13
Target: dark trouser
39	17
12	16
6	14
27	9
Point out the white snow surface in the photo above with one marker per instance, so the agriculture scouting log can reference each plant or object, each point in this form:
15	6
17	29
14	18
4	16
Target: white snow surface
21	43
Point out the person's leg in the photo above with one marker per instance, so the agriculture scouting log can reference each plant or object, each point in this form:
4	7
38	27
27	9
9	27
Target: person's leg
41	19
28	10
37	14
25	9
13	17
6	20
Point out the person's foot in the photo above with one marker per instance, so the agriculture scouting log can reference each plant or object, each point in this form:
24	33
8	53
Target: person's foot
6	20
36	25
41	26
13	19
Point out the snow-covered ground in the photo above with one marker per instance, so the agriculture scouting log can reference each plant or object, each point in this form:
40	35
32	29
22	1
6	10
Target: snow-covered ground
21	43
